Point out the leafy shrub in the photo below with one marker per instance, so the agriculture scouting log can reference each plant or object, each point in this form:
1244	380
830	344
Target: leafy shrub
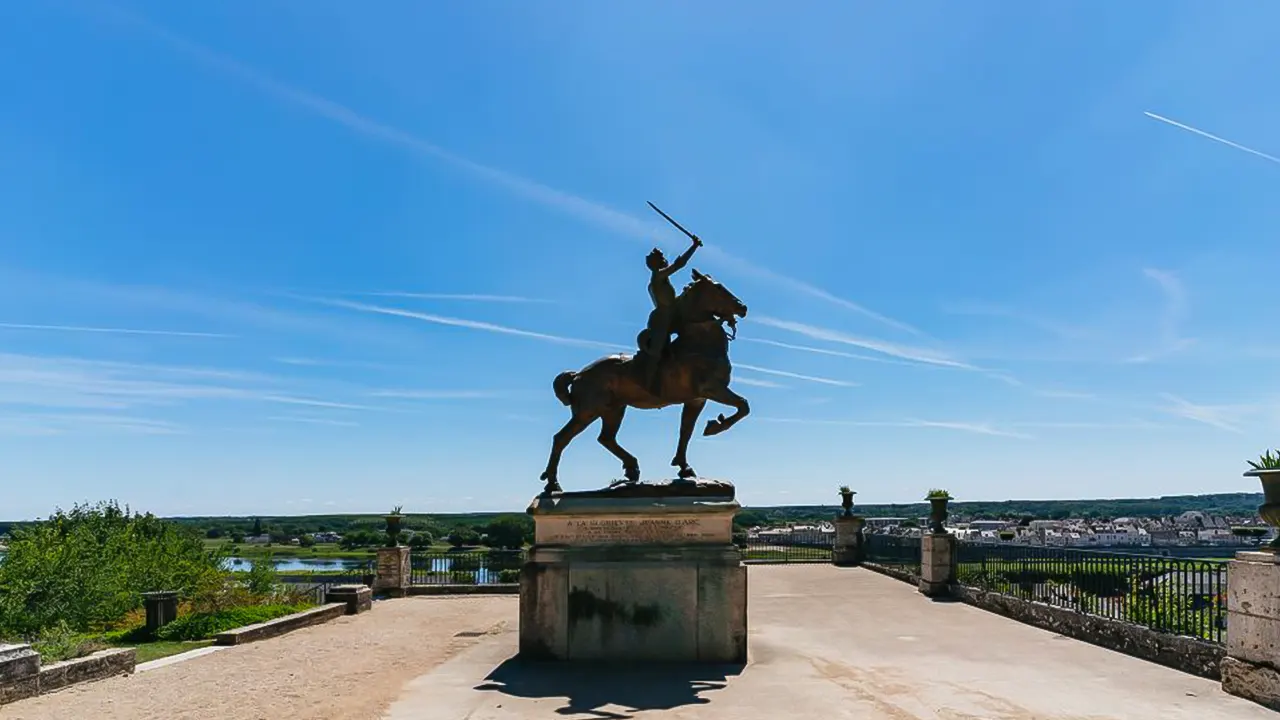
87	568
202	626
261	578
508	576
60	642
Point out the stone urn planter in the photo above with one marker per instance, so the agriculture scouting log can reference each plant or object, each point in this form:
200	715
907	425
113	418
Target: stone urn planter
846	500
1268	471
393	527
938	500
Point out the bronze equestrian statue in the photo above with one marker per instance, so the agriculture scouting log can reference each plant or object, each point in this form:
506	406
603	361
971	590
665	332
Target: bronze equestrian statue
689	371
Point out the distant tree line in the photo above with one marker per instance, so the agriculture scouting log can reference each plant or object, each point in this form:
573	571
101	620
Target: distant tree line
466	529
361	531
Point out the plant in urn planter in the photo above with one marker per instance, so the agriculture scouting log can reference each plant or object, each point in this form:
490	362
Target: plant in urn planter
938	500
1267	469
846	499
393	526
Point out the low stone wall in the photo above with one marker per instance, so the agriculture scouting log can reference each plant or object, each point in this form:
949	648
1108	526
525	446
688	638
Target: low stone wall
282	625
1190	655
21	675
486	589
97	666
893	572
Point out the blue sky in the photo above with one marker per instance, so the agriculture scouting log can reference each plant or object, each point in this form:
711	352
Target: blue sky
286	257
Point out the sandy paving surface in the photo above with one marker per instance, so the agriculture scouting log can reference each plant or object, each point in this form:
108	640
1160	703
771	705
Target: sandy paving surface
347	669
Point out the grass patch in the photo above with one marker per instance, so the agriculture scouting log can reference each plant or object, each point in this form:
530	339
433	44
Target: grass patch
320	551
162	648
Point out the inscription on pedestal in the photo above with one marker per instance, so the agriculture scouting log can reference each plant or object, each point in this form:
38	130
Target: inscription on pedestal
671	530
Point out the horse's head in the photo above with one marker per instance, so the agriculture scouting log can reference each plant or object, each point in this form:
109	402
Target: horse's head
711	297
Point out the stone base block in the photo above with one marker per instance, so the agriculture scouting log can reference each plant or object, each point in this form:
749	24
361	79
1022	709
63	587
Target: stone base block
937	563
850	544
393	575
1258	683
19	673
638	573
357	598
670	604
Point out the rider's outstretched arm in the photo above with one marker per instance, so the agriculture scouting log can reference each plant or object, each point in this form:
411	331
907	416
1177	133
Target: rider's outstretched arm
678	264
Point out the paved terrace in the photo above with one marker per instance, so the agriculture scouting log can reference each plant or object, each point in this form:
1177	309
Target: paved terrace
825	642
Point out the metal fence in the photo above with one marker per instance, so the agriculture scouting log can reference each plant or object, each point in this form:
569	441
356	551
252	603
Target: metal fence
784	549
1171	595
492	567
315	586
896	552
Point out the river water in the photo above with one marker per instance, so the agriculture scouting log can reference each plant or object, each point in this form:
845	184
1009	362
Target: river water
293	565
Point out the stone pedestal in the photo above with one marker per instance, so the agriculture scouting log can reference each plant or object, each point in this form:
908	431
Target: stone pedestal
850	546
161	608
358	598
937	563
634	574
1251	668
19	673
393	576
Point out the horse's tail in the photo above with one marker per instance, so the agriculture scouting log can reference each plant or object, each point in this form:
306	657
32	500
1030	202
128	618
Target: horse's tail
562	384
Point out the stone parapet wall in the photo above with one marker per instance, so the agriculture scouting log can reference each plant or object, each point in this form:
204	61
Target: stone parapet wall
21	674
1191	655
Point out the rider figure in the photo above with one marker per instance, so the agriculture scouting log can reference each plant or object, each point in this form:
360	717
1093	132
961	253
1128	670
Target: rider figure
663	295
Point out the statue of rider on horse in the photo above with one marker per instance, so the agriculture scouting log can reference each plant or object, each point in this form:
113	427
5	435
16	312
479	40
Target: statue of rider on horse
688	371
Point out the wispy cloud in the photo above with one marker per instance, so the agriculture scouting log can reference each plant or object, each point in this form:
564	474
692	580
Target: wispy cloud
470	324
756	382
480	298
112	330
312	402
560	200
63	423
1211	136
1170	338
1218	416
1085	425
979	428
435	394
322	362
795	376
982	309
833	353
903	352
313	420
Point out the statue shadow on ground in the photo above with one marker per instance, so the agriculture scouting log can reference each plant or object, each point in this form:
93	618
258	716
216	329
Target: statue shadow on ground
591	687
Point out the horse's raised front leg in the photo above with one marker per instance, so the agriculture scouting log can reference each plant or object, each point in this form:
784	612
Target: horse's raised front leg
610	422
571	429
725	396
688	419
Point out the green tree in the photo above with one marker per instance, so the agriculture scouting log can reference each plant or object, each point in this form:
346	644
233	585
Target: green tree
509	532
87	567
257	527
462	536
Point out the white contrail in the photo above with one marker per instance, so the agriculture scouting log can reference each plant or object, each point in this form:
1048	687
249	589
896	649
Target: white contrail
566	202
1211	136
120	331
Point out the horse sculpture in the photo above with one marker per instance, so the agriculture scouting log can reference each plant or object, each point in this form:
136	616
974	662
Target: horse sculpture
694	369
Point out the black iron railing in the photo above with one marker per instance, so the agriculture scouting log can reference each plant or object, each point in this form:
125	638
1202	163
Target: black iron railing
1171	595
896	552
314	586
492	567
785	548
